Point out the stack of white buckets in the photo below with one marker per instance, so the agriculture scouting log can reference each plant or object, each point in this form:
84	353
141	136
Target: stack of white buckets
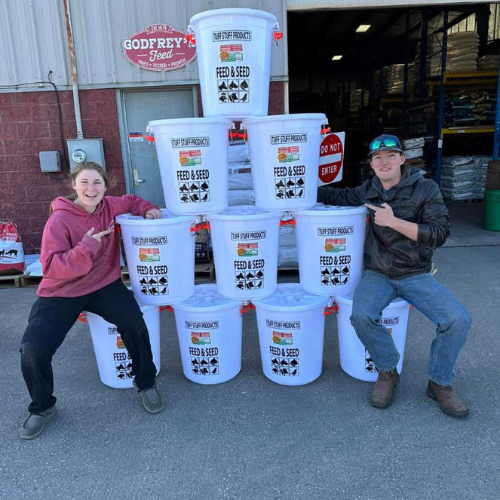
234	60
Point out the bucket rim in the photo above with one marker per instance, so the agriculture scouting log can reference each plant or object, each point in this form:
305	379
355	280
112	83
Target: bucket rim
320	301
260	215
285	117
233	11
191	121
334	211
229	303
137	220
347	300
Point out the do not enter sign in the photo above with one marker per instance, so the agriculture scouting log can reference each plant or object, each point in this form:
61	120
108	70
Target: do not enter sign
331	158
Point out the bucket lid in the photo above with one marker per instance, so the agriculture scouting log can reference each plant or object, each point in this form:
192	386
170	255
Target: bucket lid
283	118
191	121
239	212
233	12
168	218
328	210
291	296
207	298
347	299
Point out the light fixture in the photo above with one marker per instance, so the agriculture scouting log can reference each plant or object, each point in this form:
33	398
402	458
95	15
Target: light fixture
336	58
363	27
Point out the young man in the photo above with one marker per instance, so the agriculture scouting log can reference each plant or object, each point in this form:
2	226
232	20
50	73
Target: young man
408	221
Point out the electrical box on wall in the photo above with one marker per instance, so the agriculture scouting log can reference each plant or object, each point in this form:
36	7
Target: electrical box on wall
81	150
50	161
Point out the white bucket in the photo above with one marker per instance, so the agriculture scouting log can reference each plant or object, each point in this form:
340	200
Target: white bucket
355	360
245	246
330	242
209	328
113	360
160	257
234	60
284	150
291	325
192	154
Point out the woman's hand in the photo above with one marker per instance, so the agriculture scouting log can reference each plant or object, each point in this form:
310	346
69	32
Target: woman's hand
98	236
154	213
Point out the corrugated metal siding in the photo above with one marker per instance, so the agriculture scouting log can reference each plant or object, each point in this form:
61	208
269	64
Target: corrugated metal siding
32	42
33	38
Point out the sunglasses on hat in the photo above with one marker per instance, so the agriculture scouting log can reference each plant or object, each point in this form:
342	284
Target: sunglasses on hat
386	143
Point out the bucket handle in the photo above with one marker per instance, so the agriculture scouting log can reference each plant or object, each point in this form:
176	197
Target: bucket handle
248	306
83	317
236	134
277	34
150	137
334	308
190	39
196	226
325	128
167	308
287	219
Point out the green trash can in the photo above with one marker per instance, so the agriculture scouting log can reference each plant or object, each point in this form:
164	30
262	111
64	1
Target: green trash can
492	209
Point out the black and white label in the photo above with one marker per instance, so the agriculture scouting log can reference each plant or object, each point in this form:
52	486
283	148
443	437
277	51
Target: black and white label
153	280
289	182
284	361
335	270
123	365
249	274
204	361
233	84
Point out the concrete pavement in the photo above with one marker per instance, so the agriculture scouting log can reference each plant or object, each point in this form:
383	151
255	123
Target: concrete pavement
252	439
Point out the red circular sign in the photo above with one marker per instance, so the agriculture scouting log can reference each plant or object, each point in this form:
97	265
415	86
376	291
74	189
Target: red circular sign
331	155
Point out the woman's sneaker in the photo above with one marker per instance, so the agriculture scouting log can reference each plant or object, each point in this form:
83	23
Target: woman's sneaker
36	423
151	399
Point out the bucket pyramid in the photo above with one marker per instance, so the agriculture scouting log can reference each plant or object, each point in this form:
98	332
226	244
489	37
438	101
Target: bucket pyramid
234	61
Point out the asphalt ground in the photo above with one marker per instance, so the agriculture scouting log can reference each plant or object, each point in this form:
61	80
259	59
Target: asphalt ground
251	438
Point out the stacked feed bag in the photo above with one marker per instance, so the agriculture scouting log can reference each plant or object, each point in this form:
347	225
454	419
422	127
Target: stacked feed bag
461	52
414	153
394	78
489	62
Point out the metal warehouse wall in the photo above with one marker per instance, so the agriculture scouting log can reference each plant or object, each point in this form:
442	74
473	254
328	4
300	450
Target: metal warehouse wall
33	39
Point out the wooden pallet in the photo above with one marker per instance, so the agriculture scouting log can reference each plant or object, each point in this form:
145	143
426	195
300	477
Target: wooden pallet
28	280
9	281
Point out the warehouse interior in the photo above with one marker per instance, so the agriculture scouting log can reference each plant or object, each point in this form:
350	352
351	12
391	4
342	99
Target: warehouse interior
388	79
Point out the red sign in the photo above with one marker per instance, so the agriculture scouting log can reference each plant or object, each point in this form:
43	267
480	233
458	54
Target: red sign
159	48
331	158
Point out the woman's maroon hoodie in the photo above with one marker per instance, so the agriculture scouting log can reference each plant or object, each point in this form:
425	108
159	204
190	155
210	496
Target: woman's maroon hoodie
75	264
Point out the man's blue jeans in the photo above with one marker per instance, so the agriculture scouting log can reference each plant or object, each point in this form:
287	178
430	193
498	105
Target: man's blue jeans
376	291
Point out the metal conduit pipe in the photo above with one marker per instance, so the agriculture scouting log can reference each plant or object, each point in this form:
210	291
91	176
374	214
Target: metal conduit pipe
72	62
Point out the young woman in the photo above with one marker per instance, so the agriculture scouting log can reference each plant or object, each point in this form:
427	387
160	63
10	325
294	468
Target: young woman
81	271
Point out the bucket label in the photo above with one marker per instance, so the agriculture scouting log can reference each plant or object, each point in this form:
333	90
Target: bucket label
119	342
123	365
149	240
288	325
335	231
191	142
389	321
285	138
190	158
233	84
204	360
334	270
289	182
153	279
149	254
202	325
231	53
247	249
232	35
194	191
282	338
201	338
249	274
288	154
248	235
284	361
335	245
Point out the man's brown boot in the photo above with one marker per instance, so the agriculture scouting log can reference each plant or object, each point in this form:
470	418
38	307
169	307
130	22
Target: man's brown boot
383	391
449	401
